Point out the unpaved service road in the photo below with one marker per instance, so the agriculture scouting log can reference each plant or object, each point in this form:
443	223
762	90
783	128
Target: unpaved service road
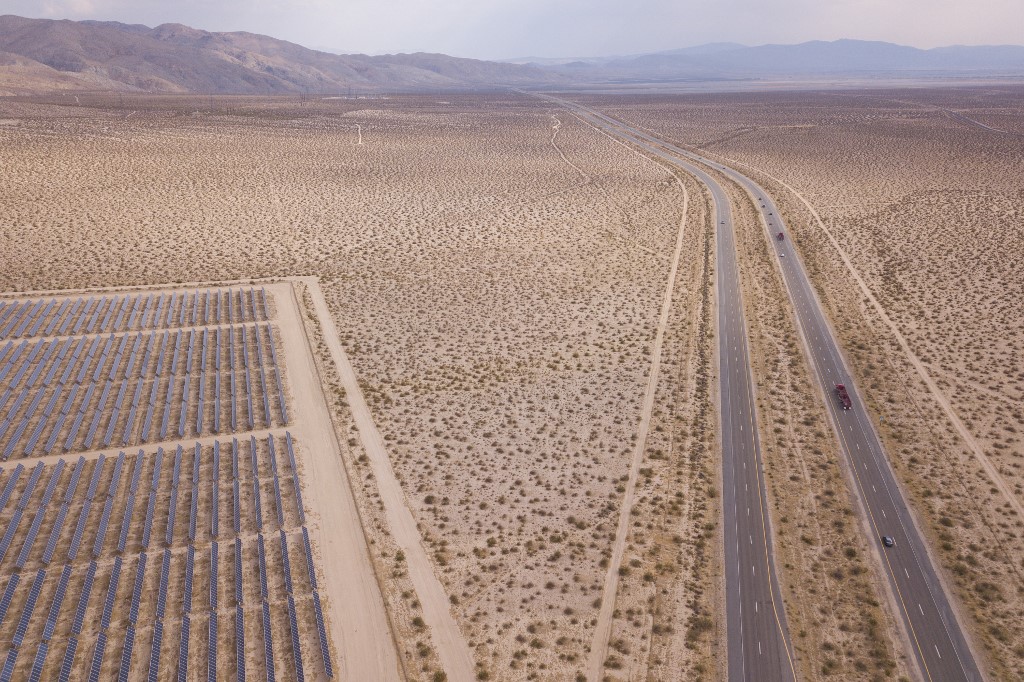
358	621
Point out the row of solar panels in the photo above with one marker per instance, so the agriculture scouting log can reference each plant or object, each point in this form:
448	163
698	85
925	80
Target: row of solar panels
125	312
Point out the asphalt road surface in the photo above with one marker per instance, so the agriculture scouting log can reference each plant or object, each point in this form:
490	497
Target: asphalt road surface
936	637
759	646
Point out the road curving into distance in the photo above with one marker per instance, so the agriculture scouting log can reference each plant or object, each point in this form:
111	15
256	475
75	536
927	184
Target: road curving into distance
759	645
936	638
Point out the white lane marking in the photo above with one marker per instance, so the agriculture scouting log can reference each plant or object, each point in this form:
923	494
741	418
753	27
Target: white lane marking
935	645
907	573
920	609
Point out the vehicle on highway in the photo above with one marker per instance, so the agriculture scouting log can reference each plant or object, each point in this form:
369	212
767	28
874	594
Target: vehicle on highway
844	397
888	541
780	236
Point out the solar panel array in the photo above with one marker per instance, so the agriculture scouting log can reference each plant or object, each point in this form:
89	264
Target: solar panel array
124	369
132	384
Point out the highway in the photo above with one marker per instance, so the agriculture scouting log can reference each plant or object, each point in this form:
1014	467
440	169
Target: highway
759	645
936	638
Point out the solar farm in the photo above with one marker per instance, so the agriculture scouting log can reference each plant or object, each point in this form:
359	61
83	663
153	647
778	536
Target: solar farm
151	507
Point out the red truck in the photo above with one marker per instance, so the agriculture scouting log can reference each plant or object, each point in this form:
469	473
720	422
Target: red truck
780	236
844	397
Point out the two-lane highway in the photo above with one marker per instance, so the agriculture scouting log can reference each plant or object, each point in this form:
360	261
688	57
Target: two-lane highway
936	638
759	646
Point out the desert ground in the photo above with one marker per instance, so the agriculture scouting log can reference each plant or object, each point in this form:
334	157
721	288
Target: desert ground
486	284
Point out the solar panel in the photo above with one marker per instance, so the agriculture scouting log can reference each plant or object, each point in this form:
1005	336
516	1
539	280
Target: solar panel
42	318
191	350
235	506
129	506
147	422
33	480
19	510
41	365
5	496
140	577
167	409
129	425
12	528
325	651
195	307
147	529
154	652
109	313
76	540
238	571
215	493
296	647
99	413
261	553
71	316
83	600
94	482
258	505
177	352
126	653
286	563
158	316
309	558
108	505
278	503
112	424
186	385
161	353
57	317
51	543
184	308
145	313
36	673
8	670
190	562
161	598
97	657
55	604
120	314
234	402
186	629
214	561
211	643
201	407
37	520
115	578
76	477
268	643
193	513
248	400
26	612
5	601
239	644
170	308
69	660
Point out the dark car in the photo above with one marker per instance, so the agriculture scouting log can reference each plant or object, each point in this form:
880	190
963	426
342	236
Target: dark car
888	541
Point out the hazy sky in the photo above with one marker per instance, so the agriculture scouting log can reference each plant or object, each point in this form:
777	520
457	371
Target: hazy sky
557	28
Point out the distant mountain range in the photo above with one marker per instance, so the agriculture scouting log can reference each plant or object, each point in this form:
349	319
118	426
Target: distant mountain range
851	58
43	55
